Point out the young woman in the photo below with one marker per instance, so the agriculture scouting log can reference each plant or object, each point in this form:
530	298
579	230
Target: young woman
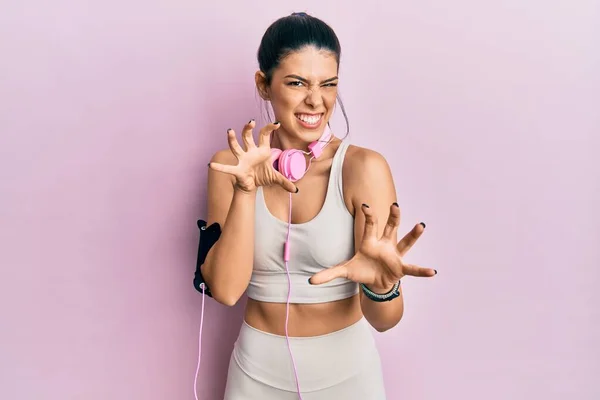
304	234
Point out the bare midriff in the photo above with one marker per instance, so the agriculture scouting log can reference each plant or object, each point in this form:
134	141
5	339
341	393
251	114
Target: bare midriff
304	319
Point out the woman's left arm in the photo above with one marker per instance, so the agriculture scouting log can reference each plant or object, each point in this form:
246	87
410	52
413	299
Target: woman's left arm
378	262
371	182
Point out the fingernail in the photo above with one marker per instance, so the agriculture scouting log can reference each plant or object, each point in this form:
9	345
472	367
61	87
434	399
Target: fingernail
309	282
208	164
297	189
396	204
435	271
423	223
249	122
228	130
276	122
364	205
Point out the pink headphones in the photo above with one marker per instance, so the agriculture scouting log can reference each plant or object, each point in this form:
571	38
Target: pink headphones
291	162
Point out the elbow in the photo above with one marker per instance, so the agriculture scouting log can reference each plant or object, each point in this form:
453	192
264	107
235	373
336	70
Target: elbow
214	289
383	326
222	289
227	299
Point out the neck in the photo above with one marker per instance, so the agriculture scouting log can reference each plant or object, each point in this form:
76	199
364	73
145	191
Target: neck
282	141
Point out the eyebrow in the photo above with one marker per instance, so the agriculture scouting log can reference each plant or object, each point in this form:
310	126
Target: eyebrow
304	80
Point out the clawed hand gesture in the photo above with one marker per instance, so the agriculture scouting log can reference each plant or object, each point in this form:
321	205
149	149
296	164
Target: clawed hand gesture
379	262
254	166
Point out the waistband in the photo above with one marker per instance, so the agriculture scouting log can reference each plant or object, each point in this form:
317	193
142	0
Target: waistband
321	361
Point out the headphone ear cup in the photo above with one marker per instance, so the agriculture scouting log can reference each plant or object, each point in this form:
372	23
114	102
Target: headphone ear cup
275	153
292	164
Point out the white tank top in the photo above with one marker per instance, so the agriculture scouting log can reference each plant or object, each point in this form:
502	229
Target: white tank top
322	242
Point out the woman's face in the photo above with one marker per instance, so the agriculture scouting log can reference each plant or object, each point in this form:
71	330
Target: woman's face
303	93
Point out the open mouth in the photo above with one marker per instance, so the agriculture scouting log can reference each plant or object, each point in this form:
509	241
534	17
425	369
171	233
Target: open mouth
309	120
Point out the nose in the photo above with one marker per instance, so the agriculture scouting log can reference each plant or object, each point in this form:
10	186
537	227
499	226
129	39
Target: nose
314	98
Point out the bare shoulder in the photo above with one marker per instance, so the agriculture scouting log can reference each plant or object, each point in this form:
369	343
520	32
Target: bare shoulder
218	181
366	173
362	164
224	156
220	187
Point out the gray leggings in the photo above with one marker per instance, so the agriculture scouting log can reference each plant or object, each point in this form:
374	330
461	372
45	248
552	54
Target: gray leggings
341	365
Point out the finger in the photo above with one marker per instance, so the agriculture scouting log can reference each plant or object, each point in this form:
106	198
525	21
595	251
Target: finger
285	183
329	274
391	227
228	169
235	147
264	138
370	230
410	238
247	135
415	270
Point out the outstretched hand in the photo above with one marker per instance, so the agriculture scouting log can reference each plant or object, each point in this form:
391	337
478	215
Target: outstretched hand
254	166
379	262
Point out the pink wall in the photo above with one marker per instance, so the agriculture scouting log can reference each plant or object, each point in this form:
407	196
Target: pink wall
109	111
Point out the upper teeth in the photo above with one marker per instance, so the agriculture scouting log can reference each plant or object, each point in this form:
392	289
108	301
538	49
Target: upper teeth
310	119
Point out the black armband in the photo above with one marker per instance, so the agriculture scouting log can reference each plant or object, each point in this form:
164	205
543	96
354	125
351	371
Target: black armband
208	237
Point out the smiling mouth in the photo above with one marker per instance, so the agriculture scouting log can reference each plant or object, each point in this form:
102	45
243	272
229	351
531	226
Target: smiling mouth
310	119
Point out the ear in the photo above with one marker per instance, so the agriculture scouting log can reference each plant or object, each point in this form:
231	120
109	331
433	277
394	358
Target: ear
261	85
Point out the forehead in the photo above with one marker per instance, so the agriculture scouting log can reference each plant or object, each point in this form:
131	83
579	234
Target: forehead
309	63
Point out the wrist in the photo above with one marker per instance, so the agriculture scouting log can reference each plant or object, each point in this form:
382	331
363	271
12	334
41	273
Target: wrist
381	289
237	189
382	294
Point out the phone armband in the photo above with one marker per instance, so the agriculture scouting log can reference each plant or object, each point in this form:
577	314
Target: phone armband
209	235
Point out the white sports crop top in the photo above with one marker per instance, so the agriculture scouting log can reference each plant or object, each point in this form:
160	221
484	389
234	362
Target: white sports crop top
324	241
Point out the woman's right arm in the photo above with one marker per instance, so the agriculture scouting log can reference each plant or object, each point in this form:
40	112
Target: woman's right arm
233	177
228	265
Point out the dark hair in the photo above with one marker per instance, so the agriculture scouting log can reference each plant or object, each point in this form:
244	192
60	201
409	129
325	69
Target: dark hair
291	33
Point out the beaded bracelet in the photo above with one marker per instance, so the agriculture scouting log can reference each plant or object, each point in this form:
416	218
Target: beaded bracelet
392	294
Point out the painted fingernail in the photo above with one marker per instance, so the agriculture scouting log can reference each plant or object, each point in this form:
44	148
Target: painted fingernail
423	223
251	121
276	122
309	282
208	164
396	204
364	205
297	189
228	130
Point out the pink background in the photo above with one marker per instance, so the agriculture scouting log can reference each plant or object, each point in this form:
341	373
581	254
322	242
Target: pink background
488	112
